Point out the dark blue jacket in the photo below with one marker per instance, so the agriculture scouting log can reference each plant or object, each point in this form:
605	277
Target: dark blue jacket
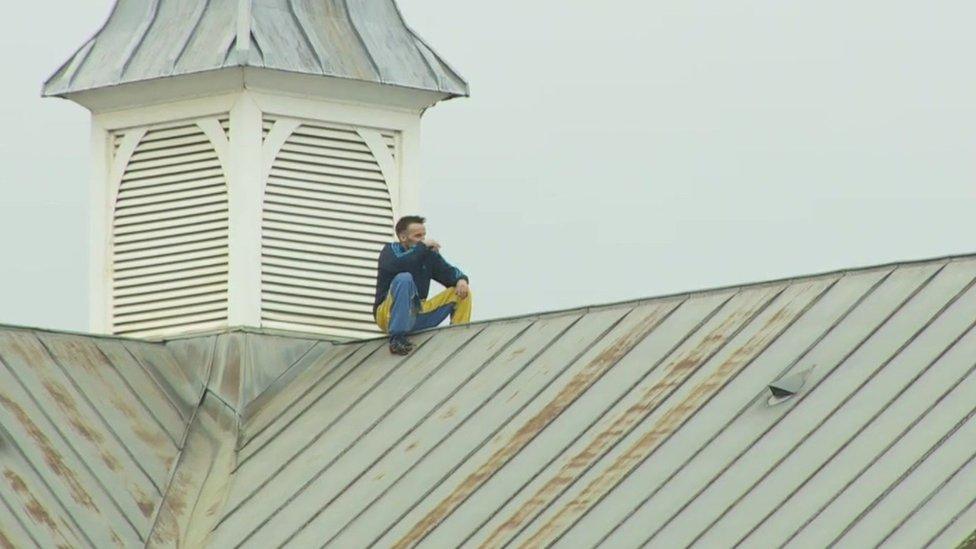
421	262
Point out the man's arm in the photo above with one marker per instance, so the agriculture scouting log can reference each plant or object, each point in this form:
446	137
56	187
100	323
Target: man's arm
446	274
395	259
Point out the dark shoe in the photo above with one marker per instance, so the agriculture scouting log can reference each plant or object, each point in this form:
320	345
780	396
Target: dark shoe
400	346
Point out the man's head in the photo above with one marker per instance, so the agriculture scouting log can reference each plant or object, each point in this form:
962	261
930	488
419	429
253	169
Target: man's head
410	230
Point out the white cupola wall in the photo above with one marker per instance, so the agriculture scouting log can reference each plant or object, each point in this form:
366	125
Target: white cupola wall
250	160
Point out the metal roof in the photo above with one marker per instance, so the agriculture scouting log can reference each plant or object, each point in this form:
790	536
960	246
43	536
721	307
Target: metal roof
647	422
356	39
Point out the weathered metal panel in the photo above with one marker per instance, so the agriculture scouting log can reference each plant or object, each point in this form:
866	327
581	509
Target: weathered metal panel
201	479
183	383
267	357
531	421
282	41
712	500
382	470
398	405
165	39
102	66
298	424
693	461
123	410
938	503
50	451
289	391
32	508
959	532
481	430
904	454
13	533
329	426
212	39
787	351
145	388
914	406
333	38
647	422
101	438
587	429
761	330
914	488
390	44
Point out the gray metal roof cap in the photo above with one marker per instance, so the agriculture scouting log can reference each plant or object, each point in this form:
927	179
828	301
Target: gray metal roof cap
364	40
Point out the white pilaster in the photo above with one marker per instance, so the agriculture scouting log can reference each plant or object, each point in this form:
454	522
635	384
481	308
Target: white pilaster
244	203
409	196
99	223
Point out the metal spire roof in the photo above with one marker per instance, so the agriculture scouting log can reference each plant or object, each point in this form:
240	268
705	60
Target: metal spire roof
357	39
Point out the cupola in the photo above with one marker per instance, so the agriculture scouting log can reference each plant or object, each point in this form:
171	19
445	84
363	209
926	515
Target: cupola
250	159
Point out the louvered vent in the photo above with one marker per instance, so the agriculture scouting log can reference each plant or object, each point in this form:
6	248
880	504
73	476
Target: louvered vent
327	214
169	249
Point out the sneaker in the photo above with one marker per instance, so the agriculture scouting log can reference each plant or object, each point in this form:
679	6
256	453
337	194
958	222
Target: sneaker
400	346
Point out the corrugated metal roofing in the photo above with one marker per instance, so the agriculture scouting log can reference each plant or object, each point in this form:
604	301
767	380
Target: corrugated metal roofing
641	423
356	39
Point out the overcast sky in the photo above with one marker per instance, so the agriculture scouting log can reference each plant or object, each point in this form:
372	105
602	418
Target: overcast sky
609	150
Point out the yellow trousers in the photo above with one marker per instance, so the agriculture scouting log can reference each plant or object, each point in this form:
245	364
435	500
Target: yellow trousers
461	314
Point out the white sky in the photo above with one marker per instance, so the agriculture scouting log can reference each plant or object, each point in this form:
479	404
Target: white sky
610	150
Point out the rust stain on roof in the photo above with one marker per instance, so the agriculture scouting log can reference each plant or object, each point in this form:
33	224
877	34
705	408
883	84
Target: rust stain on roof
67	405
566	396
673	419
51	456
34	508
678	370
5	541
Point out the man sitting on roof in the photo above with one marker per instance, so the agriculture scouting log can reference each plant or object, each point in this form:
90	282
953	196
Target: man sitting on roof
403	282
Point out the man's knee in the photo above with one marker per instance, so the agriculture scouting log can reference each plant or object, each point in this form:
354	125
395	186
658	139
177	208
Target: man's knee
403	280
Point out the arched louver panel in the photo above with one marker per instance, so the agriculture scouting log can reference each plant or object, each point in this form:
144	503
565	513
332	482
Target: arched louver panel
169	235
327	214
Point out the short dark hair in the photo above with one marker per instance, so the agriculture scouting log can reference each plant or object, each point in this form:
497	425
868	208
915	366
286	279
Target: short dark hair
405	222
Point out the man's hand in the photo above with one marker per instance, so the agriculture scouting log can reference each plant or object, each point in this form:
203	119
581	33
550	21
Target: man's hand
434	245
461	288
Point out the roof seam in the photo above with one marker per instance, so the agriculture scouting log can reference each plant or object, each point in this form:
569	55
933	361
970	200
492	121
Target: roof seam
145	32
919	418
12	513
430	68
43	481
901	435
138	396
92	38
359	36
305	35
664	357
459	425
729	463
864	512
191	35
390	410
914	337
586	349
291	459
857	303
74	451
176	467
329	426
767	304
108	426
337	364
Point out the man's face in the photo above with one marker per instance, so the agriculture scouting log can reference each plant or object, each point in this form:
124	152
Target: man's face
416	232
